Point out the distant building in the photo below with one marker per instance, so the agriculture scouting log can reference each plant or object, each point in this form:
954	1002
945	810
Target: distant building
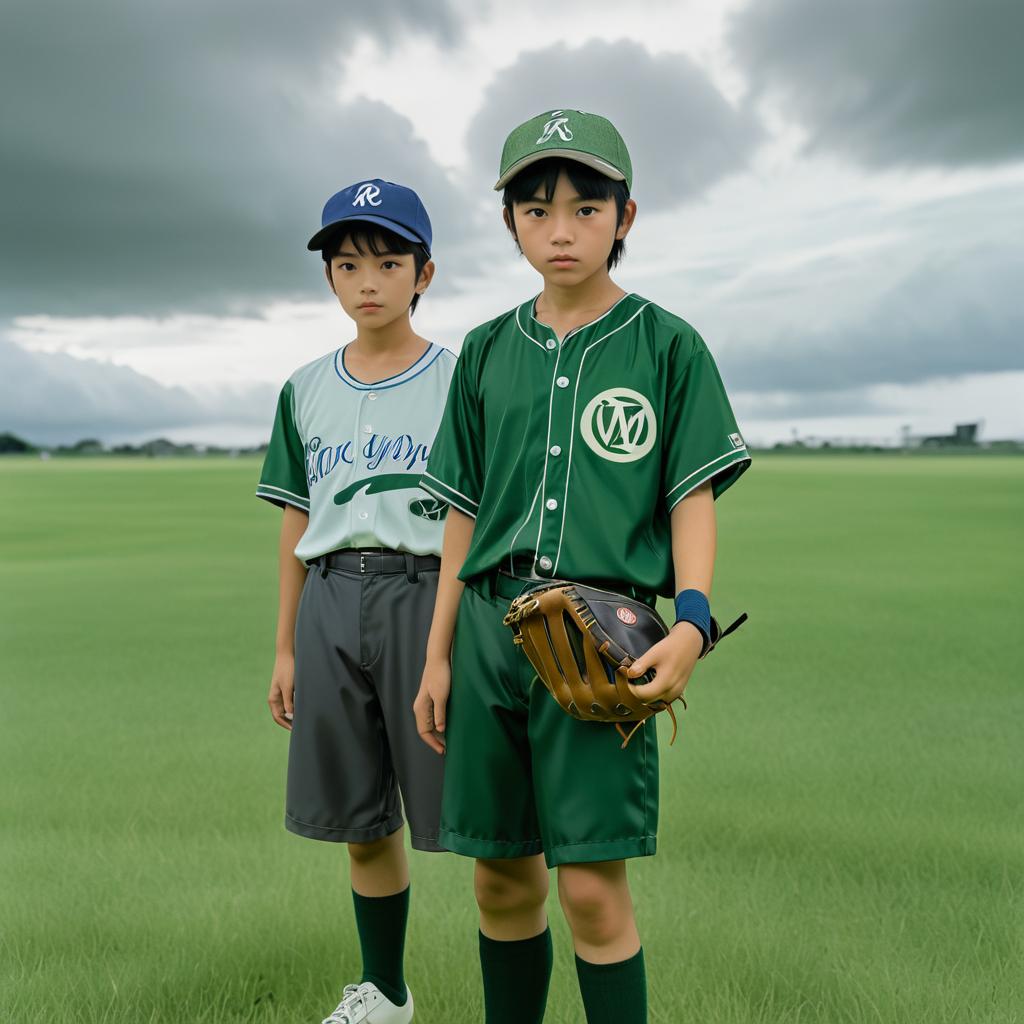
965	435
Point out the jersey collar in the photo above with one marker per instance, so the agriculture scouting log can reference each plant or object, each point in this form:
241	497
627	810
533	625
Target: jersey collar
407	374
540	334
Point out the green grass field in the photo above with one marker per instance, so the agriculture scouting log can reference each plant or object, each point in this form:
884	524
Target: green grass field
842	824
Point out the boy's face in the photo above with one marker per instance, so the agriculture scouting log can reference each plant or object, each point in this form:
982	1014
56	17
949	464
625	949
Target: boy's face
375	290
568	239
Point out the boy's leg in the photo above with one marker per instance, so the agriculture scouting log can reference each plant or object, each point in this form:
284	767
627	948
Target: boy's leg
341	782
380	894
609	958
488	811
396	616
515	942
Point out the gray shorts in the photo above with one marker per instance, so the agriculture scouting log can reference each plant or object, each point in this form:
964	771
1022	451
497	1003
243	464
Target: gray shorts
360	645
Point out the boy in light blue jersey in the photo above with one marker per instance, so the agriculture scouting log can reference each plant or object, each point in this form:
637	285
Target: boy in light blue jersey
359	560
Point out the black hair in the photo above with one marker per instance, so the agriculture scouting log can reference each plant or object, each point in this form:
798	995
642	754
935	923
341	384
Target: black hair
377	240
542	176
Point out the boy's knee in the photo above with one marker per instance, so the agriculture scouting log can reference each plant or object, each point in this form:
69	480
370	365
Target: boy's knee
366	853
500	889
593	905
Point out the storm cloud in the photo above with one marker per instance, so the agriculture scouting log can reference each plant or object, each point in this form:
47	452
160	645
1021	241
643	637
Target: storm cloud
161	157
681	132
956	313
914	83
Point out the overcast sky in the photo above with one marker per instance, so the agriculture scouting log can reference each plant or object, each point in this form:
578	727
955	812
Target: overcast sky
830	191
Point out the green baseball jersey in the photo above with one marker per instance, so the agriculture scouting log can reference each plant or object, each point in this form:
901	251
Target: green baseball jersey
351	455
573	453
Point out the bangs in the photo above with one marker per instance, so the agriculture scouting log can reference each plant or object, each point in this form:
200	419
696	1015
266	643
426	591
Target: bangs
372	239
542	178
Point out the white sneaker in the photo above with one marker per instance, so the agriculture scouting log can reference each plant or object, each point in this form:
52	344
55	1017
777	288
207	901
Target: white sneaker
367	1003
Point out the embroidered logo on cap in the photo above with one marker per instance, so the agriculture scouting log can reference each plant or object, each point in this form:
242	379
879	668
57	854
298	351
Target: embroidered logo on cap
367	194
558	123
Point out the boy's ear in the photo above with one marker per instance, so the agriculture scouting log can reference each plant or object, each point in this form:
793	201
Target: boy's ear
327	273
426	276
628	217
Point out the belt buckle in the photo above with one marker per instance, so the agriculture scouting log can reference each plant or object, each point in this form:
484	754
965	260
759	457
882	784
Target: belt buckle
362	562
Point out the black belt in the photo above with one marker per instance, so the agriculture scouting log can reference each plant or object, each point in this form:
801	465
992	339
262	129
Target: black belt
522	569
376	561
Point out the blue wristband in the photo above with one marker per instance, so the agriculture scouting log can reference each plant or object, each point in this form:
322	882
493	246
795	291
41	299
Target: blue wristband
692	606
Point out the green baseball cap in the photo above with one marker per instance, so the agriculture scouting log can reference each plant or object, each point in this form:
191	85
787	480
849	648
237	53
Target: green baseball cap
589	138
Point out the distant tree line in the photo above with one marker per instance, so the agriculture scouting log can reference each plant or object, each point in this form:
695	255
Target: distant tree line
11	444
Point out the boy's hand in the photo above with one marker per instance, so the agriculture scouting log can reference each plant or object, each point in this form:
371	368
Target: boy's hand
282	690
672	659
432	702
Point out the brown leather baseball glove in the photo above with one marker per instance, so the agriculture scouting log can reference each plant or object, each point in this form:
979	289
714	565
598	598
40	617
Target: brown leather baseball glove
580	641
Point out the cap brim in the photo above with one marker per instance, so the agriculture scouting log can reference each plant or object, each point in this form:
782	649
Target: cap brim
316	243
596	163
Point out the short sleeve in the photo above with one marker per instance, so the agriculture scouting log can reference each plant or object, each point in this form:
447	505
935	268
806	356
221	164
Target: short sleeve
283	477
454	470
701	441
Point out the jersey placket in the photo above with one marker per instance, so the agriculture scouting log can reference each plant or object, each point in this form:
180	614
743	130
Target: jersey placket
364	431
556	448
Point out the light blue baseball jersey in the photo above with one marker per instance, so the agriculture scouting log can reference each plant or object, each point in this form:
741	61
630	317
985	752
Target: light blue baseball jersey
351	453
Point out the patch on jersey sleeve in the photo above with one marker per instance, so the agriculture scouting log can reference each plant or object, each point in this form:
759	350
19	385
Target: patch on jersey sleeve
429	508
737	441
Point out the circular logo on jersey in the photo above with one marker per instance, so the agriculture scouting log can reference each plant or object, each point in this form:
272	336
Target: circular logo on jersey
626	615
429	508
619	425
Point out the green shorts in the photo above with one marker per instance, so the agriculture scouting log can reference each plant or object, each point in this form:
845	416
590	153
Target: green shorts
523	777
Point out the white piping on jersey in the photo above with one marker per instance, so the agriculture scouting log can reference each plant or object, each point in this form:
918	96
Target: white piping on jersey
286	498
572	430
589	323
281	490
430	489
515	536
628	295
520	326
704	479
547	447
705	466
438	480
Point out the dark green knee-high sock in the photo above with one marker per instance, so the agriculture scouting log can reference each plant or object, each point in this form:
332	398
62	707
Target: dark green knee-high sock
516	976
614	993
381	922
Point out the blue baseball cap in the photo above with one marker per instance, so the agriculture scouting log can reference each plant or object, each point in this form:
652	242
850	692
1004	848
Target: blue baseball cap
380	202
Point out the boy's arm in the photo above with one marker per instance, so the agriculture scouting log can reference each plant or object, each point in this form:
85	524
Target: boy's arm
694	541
292	577
432	699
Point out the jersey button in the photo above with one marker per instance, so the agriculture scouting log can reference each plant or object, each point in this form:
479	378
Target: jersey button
545	563
372	395
562	382
555	449
552	503
367	429
364	515
551	343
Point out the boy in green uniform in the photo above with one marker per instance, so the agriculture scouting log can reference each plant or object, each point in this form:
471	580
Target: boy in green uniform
359	566
585	437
